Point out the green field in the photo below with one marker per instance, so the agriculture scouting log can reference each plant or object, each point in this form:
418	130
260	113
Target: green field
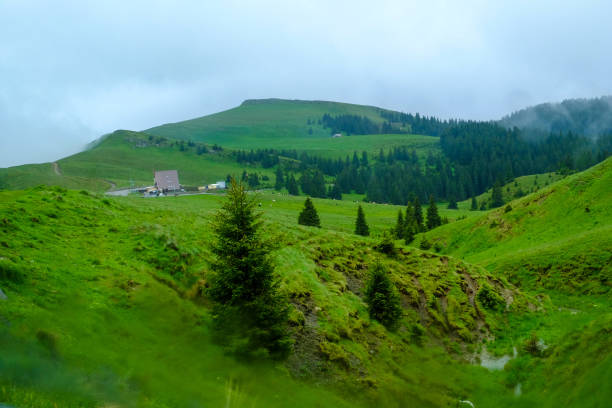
82	272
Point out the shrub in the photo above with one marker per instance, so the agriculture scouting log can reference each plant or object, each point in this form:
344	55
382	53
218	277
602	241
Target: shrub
489	298
387	245
425	244
10	271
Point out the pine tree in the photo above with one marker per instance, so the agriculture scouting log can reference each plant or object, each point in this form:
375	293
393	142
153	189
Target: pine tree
335	193
433	218
361	226
309	215
292	186
249	315
497	199
280	180
474	205
418	215
452	204
382	298
400	226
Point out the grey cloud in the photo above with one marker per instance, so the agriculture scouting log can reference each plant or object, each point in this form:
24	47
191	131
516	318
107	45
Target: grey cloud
73	70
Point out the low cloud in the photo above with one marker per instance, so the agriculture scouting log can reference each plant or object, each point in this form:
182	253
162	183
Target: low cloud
72	70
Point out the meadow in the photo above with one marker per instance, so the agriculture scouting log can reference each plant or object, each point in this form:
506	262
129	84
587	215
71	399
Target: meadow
82	271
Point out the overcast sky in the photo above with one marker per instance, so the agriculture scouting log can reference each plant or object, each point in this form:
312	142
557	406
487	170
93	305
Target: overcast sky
71	71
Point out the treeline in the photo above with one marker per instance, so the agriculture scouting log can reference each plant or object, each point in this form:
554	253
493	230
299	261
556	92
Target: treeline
475	156
415	124
349	124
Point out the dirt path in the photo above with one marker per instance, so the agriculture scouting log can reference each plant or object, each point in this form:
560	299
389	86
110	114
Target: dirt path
56	169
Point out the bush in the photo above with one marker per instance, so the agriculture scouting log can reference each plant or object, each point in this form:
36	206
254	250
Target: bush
425	244
489	298
387	245
508	208
10	272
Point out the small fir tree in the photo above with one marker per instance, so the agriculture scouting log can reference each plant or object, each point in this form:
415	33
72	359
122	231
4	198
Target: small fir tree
361	226
382	298
400	226
497	198
335	193
433	218
309	215
292	186
452	204
280	180
418	214
474	205
249	314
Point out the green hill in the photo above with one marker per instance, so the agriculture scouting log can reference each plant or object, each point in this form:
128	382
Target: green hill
124	158
117	316
289	124
560	236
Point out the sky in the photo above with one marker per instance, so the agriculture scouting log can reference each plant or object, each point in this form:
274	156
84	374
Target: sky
71	71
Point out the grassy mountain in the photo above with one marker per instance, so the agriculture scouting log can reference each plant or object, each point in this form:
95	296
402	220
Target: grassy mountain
289	124
133	279
126	157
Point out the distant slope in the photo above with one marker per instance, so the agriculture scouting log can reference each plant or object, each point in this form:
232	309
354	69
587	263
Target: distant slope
123	158
265	123
589	117
559	237
517	188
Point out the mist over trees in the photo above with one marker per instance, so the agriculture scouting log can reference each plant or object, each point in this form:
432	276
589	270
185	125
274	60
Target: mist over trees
587	117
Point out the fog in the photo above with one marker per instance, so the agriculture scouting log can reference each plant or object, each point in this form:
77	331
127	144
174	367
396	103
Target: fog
71	71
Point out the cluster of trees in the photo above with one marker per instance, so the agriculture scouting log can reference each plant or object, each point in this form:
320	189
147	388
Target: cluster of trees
252	179
415	124
475	156
412	221
350	124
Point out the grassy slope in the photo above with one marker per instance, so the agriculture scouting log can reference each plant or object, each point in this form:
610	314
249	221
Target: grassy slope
521	186
121	158
282	124
553	247
562	232
128	272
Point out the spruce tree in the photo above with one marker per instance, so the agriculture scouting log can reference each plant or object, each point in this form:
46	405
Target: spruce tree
497	199
400	226
280	180
474	206
249	314
452	204
309	215
335	193
382	298
292	186
433	218
361	226
418	214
